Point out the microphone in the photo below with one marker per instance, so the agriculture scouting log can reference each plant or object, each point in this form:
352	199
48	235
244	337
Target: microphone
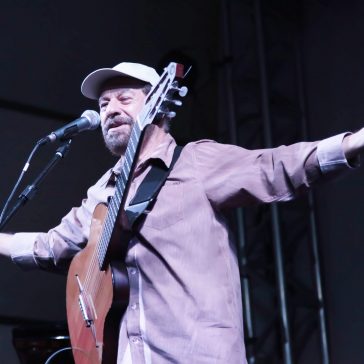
89	120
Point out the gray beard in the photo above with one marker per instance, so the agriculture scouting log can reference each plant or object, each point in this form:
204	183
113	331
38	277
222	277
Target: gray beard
115	142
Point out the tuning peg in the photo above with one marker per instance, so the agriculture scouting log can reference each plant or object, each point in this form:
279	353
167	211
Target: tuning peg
171	114
174	102
166	113
182	91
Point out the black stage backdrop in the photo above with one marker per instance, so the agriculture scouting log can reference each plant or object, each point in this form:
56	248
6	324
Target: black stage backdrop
48	47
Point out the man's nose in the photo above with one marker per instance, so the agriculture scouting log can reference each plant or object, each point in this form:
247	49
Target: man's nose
113	107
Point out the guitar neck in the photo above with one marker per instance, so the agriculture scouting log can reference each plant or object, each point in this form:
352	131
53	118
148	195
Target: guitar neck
162	91
117	201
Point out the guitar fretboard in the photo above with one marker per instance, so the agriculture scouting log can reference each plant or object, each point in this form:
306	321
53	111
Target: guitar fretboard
116	201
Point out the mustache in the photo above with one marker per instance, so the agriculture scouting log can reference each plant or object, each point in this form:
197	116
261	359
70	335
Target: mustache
117	120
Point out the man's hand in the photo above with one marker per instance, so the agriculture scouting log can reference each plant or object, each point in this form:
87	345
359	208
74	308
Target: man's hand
353	144
5	244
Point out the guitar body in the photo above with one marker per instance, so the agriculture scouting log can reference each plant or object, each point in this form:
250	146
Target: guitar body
96	301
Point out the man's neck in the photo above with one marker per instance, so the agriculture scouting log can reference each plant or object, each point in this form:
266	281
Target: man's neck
154	136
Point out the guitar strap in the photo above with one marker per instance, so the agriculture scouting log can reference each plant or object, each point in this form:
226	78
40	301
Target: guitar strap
149	188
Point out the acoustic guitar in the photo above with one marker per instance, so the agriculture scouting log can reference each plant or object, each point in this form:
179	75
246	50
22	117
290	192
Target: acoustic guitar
97	291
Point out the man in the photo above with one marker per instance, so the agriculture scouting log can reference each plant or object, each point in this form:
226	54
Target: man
185	304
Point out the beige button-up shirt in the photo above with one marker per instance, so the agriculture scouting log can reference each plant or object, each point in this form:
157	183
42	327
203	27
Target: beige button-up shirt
185	300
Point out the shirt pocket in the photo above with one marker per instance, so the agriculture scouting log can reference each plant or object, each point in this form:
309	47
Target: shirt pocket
167	209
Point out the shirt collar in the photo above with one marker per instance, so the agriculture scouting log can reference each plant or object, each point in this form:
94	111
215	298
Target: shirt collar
164	152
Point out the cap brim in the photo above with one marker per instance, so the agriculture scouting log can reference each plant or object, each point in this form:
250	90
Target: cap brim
92	84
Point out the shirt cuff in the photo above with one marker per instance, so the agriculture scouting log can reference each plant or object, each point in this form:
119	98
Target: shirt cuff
23	252
330	154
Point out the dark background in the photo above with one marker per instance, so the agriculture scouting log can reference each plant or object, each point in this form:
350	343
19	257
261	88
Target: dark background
48	47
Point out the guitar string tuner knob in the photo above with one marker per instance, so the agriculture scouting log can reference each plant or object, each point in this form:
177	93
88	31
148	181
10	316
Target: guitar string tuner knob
171	114
166	113
174	102
183	91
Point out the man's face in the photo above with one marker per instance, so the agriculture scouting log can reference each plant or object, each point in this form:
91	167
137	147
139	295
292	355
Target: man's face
120	102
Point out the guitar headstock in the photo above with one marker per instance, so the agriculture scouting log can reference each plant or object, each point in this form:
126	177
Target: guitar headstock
163	93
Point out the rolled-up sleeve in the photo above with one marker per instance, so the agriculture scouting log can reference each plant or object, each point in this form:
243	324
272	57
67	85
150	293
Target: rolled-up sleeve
24	254
55	249
331	157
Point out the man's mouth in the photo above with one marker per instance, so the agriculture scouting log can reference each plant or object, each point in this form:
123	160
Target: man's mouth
116	124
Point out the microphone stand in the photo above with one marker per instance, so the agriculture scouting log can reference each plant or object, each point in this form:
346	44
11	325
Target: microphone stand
31	189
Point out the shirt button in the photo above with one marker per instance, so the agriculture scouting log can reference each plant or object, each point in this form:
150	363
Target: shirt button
134	306
132	271
135	340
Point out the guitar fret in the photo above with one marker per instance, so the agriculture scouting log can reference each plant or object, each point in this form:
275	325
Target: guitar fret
106	236
103	245
114	209
120	185
135	137
110	216
100	249
130	153
124	175
117	196
105	241
104	230
107	230
132	143
127	163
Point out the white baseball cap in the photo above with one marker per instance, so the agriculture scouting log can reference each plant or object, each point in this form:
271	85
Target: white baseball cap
92	84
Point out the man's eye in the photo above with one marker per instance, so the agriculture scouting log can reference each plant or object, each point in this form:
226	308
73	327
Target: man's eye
125	99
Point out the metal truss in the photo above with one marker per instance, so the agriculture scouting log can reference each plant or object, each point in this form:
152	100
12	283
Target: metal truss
262	96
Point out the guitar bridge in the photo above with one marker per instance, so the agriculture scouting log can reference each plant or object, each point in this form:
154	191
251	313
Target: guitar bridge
84	303
84	311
